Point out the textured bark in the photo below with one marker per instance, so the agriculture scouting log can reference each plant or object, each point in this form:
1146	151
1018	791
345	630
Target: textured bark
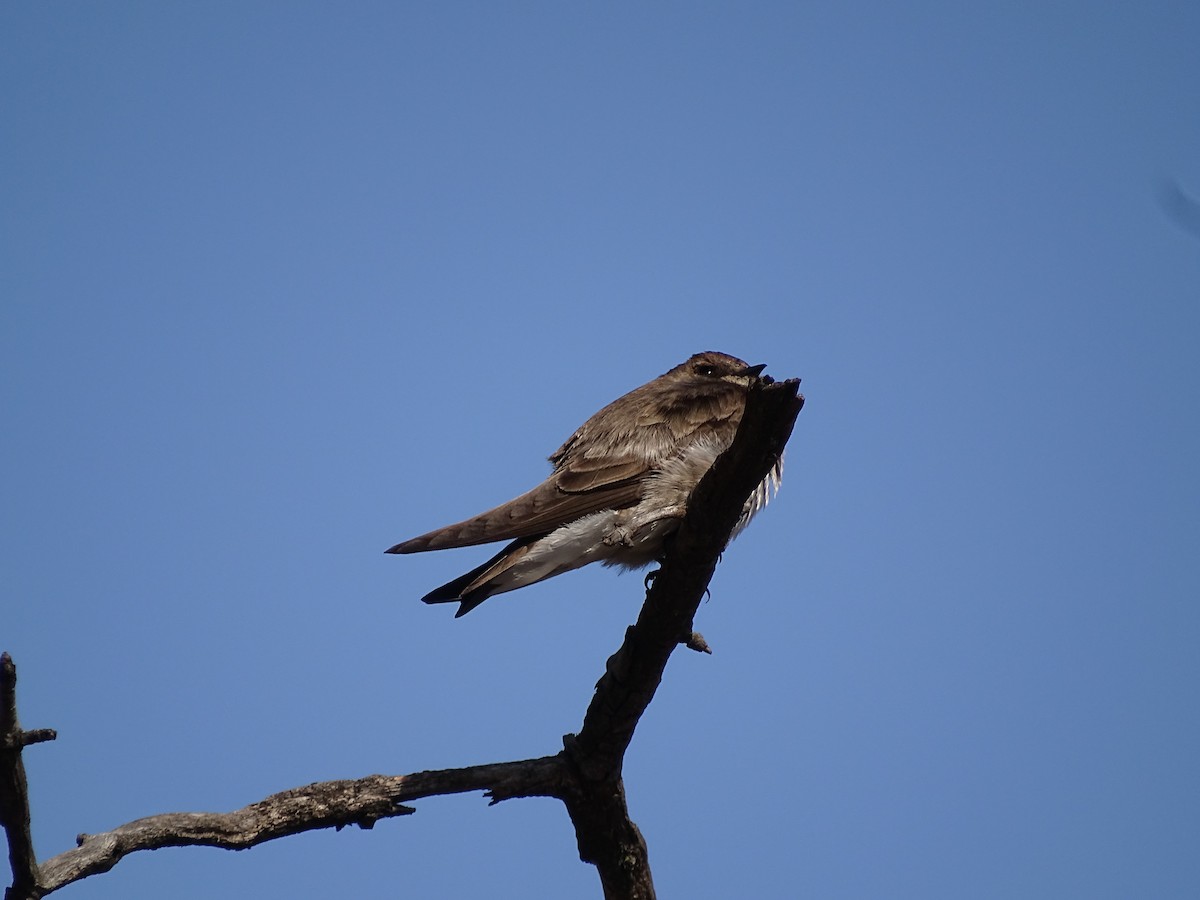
585	775
14	791
329	804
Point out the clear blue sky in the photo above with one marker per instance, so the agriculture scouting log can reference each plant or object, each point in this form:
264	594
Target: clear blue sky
285	283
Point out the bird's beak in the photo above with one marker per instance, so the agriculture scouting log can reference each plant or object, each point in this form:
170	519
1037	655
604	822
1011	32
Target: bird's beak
753	371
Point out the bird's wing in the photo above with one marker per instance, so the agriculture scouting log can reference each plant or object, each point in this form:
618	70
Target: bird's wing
597	468
570	493
581	475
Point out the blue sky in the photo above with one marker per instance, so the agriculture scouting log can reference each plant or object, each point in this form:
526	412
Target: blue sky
284	284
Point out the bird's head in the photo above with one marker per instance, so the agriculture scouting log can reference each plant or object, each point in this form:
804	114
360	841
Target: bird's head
711	366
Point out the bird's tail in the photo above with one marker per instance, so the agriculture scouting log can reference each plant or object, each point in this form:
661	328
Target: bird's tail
474	587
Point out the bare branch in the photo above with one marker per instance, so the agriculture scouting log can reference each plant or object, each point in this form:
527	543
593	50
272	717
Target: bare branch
329	804
14	790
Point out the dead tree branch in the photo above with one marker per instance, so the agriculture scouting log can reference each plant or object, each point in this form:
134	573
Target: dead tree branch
329	804
14	791
585	775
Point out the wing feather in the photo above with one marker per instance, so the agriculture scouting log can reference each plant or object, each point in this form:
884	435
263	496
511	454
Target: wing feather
537	512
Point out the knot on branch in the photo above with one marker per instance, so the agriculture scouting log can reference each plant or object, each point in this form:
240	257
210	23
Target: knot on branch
21	739
695	641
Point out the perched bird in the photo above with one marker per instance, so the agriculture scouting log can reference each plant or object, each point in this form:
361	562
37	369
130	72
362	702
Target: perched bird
620	484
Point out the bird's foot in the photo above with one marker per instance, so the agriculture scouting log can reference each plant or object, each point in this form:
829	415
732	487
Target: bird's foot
620	535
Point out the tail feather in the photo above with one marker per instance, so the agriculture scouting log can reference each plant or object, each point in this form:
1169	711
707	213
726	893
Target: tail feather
473	588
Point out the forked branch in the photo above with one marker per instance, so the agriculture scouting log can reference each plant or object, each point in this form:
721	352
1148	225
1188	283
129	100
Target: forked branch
585	775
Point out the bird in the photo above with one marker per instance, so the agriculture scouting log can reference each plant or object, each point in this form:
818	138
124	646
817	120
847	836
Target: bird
619	486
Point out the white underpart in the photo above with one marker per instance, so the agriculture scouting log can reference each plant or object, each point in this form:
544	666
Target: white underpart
680	474
632	537
756	502
598	537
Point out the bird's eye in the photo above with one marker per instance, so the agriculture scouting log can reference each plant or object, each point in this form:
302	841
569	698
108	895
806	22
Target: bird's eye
706	370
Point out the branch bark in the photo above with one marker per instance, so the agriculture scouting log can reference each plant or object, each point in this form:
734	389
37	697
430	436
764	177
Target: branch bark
329	804
14	790
585	775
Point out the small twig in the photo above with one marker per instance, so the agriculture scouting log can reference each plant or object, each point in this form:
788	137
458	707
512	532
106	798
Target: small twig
695	641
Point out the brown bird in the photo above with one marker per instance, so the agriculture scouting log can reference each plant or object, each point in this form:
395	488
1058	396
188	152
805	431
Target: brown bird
620	484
